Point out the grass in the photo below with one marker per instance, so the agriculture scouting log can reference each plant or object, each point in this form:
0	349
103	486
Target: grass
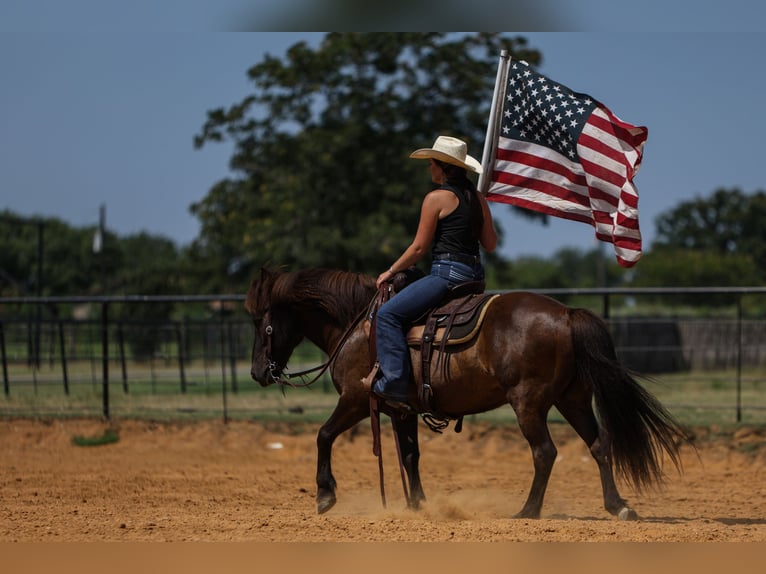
705	398
157	393
154	392
109	436
751	447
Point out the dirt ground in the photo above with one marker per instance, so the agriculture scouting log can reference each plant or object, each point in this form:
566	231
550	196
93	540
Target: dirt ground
245	481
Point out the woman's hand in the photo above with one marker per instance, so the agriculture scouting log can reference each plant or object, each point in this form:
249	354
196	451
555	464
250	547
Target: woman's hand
383	277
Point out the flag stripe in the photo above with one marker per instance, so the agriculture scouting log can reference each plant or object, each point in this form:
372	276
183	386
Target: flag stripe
551	191
534	169
548	207
541	157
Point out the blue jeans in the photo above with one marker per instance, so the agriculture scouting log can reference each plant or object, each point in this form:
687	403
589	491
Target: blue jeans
395	317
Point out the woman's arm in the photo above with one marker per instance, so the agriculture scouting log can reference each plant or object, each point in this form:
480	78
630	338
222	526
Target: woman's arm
436	204
488	236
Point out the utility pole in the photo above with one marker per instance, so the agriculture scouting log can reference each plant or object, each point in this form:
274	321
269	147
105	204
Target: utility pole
98	244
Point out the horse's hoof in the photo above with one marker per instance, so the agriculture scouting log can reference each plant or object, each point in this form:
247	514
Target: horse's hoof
325	503
627	514
527	514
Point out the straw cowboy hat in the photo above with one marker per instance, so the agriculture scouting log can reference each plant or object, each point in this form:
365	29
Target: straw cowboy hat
449	150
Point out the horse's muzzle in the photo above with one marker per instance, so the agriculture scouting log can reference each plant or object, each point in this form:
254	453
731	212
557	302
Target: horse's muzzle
267	376
261	377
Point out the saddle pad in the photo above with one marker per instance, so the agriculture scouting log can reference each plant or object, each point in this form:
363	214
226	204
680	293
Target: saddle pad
459	334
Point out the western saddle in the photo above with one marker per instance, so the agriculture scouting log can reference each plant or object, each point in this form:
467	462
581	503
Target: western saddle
456	321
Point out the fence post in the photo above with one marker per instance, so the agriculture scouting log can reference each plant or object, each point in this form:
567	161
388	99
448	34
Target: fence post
222	338
232	359
739	358
62	346
105	357
123	362
6	382
180	341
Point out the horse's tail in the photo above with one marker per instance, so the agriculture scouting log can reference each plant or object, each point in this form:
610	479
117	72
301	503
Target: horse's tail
639	428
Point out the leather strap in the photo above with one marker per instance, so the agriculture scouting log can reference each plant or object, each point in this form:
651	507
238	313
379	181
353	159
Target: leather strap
384	293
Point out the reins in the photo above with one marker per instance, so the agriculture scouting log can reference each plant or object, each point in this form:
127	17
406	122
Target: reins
378	299
384	294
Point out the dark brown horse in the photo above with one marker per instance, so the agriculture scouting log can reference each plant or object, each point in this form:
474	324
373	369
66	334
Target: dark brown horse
532	352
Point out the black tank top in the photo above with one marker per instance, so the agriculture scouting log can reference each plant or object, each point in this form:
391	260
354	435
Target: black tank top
454	233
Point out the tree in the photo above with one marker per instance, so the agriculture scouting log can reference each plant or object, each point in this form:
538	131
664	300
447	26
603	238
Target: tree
150	264
135	264
68	265
568	268
321	146
678	267
717	241
727	222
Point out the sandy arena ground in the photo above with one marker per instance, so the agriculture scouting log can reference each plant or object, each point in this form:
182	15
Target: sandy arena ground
243	481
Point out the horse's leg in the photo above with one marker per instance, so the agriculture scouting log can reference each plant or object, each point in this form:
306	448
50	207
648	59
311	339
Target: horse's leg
406	428
533	425
348	412
575	406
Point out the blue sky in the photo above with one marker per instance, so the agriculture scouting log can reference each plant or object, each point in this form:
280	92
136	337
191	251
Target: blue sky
107	116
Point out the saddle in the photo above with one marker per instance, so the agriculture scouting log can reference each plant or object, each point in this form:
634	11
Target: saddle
454	322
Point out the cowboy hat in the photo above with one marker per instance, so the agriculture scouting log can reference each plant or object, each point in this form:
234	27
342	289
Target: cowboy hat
449	150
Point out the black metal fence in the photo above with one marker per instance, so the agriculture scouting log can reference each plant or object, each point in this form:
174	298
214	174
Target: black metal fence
40	348
97	356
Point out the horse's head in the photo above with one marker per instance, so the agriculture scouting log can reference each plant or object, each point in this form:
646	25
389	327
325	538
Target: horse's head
319	304
277	329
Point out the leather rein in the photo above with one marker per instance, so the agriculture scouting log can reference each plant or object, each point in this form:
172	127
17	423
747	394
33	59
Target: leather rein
274	371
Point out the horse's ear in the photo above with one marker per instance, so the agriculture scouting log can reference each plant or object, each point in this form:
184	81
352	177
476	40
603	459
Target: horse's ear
267	272
257	287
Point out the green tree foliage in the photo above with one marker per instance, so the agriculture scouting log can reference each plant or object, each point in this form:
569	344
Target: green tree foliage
717	240
568	268
729	222
321	146
680	267
139	264
151	264
136	264
68	264
714	241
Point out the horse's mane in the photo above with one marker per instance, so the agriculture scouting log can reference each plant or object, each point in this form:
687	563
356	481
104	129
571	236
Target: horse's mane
341	294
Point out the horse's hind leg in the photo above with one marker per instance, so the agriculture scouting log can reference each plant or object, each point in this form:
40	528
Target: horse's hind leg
533	425
406	428
347	413
576	408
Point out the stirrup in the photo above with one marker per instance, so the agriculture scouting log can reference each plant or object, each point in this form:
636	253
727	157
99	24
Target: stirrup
403	407
369	380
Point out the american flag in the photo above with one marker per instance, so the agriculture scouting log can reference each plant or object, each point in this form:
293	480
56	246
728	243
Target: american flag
565	154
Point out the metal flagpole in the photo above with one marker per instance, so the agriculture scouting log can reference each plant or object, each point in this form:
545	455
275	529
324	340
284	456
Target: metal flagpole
493	124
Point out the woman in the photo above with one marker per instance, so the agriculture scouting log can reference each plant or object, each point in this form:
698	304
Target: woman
454	221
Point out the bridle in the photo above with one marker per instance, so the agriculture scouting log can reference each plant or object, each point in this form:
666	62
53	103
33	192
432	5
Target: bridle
273	367
276	374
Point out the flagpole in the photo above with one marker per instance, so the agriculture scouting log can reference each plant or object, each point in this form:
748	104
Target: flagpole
490	140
